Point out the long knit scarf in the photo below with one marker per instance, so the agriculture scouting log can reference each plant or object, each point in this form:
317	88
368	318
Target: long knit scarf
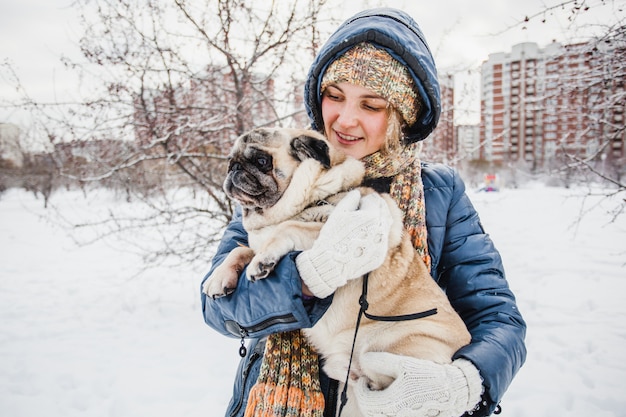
288	383
407	191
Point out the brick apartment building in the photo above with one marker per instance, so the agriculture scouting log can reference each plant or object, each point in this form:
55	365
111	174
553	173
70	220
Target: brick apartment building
442	144
468	141
539	103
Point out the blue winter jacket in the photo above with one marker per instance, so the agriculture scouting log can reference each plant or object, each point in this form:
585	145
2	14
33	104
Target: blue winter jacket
465	264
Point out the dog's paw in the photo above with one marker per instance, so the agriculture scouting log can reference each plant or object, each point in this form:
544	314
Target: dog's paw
220	285
260	267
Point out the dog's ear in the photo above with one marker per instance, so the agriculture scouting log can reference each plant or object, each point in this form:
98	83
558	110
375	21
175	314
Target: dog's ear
304	147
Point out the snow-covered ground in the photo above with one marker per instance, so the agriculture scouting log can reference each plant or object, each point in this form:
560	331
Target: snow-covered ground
82	334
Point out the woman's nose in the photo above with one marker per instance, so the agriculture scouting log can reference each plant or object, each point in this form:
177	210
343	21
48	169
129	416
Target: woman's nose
347	117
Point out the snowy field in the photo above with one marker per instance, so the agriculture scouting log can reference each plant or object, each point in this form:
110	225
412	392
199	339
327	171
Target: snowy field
82	334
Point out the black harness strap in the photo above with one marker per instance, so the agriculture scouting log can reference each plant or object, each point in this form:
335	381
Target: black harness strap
405	317
363	312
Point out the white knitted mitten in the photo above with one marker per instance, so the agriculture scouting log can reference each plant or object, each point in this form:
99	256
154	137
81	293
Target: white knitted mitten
353	242
421	388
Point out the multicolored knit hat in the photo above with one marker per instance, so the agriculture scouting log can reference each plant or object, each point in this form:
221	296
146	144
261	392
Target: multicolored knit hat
375	69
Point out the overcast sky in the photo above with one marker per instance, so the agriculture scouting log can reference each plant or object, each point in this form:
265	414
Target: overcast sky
462	33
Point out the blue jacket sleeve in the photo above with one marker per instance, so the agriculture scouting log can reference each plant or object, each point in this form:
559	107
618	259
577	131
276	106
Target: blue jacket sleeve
469	268
255	309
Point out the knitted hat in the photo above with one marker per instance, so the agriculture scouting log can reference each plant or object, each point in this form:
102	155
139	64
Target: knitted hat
373	68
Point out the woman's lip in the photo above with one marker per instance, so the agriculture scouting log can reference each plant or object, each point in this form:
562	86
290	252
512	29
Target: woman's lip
343	138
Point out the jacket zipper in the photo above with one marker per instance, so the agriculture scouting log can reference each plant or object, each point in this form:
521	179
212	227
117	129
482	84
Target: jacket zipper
238	330
253	358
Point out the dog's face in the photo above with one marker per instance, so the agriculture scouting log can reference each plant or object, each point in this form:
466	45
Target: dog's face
262	163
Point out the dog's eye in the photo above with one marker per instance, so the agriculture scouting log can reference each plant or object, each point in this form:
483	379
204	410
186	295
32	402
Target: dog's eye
263	162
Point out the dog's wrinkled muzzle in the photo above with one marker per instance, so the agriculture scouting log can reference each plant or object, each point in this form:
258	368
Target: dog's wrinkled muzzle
251	190
242	181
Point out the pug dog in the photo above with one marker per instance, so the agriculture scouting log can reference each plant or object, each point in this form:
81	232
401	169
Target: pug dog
288	182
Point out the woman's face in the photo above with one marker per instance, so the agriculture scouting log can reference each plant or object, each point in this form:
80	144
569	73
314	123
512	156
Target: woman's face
355	119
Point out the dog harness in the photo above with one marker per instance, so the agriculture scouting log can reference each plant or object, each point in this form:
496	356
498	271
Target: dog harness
363	312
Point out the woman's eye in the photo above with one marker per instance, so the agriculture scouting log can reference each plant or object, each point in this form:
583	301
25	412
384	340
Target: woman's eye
331	94
376	104
372	107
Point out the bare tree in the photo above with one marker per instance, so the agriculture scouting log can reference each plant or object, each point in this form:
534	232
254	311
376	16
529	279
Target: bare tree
167	88
590	101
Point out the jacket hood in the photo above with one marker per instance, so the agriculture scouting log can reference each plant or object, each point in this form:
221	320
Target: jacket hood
397	33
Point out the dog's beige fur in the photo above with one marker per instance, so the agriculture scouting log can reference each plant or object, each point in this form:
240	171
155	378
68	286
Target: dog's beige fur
291	220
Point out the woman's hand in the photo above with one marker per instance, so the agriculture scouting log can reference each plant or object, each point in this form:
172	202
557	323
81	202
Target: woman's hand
420	387
306	291
353	242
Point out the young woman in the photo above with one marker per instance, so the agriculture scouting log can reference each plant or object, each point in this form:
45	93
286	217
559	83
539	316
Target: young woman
373	92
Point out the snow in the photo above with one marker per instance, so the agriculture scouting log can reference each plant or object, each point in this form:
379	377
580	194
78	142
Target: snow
83	333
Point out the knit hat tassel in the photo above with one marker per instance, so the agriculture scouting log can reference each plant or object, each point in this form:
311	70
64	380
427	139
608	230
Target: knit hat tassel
288	383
